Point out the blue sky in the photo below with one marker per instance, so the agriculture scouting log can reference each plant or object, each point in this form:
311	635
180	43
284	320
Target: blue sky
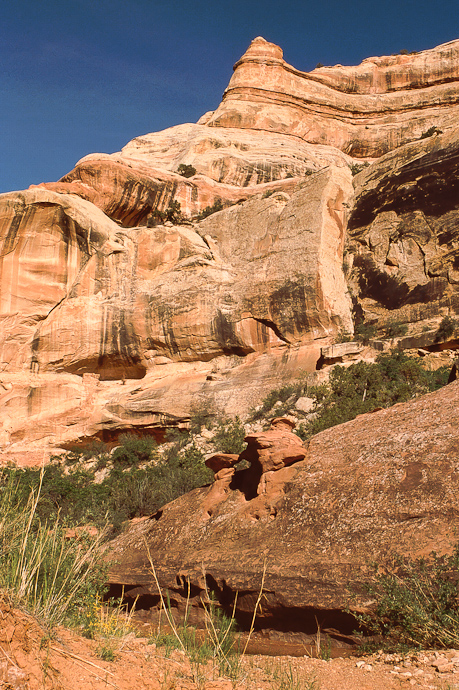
84	76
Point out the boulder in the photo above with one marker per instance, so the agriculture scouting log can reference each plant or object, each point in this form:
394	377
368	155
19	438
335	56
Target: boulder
386	481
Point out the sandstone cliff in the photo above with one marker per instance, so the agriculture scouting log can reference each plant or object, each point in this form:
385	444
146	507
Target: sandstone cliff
112	317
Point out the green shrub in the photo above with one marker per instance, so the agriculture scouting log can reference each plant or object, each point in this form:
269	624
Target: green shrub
279	395
356	168
365	331
134	450
208	210
78	454
229	436
201	416
430	132
417	602
446	328
395	329
186	170
363	386
343	336
125	492
172	213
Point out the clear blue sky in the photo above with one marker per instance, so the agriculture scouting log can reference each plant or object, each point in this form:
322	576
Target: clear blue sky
83	76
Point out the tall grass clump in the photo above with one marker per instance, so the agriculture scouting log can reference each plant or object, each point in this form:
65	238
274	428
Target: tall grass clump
42	570
416	602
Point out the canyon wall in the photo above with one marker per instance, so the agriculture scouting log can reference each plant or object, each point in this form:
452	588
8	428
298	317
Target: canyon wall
120	309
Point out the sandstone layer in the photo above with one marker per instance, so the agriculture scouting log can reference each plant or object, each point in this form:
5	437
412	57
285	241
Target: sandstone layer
113	318
315	525
377	106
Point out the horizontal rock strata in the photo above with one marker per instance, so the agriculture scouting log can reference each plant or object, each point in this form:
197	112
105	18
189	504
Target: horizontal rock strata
375	107
103	299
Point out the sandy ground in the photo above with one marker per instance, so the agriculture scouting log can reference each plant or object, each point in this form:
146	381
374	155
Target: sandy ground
31	659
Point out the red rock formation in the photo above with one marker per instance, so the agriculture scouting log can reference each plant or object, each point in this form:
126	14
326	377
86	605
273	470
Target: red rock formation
91	285
385	481
375	107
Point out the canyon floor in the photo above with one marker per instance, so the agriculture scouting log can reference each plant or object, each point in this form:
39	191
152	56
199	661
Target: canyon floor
32	659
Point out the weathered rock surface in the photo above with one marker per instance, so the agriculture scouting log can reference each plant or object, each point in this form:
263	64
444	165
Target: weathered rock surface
112	319
385	481
377	106
403	234
262	277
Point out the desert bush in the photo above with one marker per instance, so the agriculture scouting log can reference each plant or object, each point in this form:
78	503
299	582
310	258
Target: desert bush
80	454
201	416
343	336
126	491
229	436
395	329
446	328
430	132
417	602
363	386
172	213
282	395
134	450
364	332
186	170
356	168
208	210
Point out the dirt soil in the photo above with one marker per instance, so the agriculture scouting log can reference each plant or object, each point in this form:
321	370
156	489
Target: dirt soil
32	659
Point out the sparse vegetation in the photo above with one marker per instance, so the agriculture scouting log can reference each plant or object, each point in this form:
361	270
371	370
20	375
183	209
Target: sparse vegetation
208	210
395	329
134	450
365	331
416	602
279	395
186	170
126	491
364	386
430	132
172	213
343	336
229	436
356	168
446	328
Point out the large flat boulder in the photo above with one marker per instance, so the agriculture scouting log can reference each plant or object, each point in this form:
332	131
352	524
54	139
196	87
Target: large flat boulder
384	482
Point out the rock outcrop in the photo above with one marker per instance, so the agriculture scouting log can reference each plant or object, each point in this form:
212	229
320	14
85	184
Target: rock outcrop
402	242
385	481
113	317
375	107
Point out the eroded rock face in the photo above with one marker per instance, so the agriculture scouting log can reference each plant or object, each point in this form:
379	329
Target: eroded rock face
266	452
260	278
403	235
112	318
377	106
386	480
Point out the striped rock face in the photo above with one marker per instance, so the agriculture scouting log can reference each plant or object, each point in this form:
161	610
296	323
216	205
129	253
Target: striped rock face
129	291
